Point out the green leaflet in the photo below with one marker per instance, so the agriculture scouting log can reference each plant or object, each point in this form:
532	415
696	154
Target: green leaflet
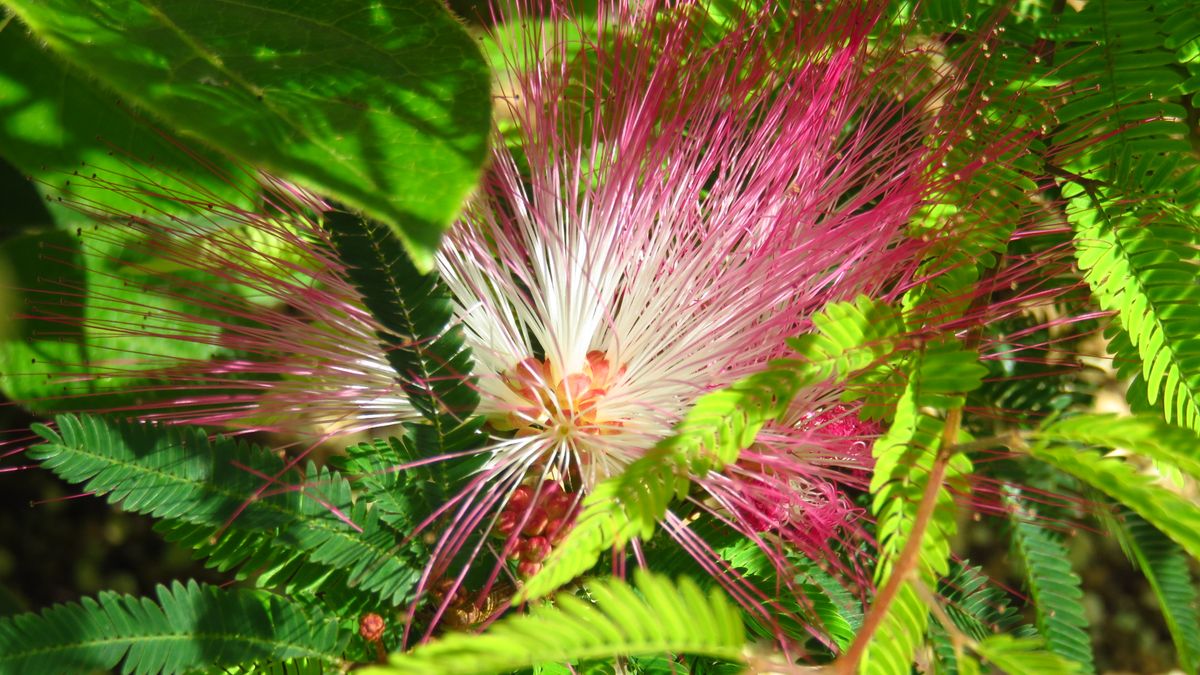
1131	260
1127	134
1166	568
1158	554
905	457
848	336
423	343
387	108
1145	434
1175	516
1123	120
288	667
652	616
1024	656
813	597
1183	27
189	628
220	487
1054	587
979	609
894	645
404	498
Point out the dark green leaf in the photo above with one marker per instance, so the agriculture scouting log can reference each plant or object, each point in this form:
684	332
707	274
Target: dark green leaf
61	127
385	106
190	628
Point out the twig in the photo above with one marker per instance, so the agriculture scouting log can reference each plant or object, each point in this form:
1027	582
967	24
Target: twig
910	555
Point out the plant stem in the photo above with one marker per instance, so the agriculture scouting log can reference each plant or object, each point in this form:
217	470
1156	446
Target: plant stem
910	555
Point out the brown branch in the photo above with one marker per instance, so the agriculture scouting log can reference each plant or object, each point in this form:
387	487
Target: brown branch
910	555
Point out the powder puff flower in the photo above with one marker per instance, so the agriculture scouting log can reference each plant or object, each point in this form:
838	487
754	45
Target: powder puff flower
678	203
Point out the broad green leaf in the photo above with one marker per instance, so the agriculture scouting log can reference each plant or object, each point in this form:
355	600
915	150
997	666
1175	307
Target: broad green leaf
61	128
99	321
384	105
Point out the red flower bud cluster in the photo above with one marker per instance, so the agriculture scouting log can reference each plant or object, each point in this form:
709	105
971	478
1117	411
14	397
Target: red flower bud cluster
533	522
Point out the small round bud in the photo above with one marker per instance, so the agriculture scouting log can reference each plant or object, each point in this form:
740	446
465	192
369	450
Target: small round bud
535	549
559	504
506	523
370	627
557	529
535	524
528	569
520	499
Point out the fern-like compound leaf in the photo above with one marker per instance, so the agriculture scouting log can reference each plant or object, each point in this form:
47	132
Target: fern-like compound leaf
1132	179
1124	121
905	459
233	500
894	645
405	498
422	341
1144	434
1176	517
1054	588
1166	568
652	616
1024	656
1131	259
978	608
190	628
820	599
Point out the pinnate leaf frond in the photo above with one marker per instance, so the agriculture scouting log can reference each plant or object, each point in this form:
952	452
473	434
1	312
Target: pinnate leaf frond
190	628
210	488
1131	259
423	343
1054	587
651	616
906	458
1024	656
1176	517
1166	568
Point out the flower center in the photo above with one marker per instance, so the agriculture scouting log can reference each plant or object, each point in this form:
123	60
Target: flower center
563	406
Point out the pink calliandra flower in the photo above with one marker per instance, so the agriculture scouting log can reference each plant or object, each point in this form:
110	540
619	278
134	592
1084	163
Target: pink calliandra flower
680	201
720	191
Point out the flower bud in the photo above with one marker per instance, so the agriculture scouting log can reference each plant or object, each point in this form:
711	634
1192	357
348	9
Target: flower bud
535	524
520	499
370	627
558	504
535	549
506	523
